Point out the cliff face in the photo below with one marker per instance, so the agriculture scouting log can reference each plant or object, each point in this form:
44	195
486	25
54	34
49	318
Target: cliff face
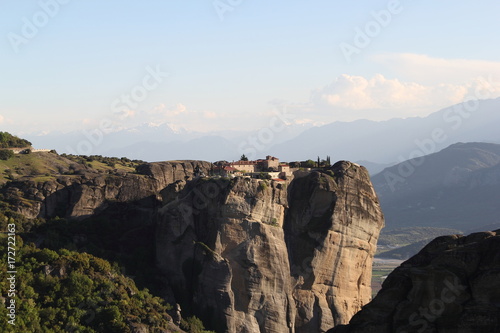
245	255
452	285
332	230
249	255
84	194
222	250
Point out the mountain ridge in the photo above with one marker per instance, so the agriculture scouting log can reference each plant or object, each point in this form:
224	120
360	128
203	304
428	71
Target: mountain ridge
357	140
444	189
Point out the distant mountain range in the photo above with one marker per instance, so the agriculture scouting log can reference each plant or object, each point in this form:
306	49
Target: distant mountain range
377	143
397	140
162	142
453	188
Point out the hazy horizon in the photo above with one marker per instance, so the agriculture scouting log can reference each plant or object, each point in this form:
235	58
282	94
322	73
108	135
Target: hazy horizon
231	66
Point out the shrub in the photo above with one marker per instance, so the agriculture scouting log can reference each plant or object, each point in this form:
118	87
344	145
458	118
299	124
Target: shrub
263	175
5	154
193	325
262	185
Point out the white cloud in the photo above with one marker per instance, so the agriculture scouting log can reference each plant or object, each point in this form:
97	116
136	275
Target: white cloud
356	97
126	114
209	114
431	71
412	85
168	112
358	93
176	110
2	118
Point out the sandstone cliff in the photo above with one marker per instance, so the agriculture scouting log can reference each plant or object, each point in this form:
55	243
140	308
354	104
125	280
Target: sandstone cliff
452	285
250	255
87	192
245	255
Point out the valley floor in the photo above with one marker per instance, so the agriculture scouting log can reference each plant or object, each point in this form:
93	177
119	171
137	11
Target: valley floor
381	268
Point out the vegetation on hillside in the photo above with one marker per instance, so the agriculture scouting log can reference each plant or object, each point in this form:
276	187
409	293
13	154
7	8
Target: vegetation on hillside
73	276
8	140
34	165
67	291
98	161
41	167
62	287
405	252
319	163
402	243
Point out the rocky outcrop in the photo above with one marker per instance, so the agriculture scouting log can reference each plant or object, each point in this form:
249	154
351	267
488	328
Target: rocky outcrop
452	285
166	173
250	255
88	192
245	255
332	230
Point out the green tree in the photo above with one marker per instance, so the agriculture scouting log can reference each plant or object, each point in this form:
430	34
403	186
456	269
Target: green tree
69	291
326	163
243	158
309	164
8	140
194	325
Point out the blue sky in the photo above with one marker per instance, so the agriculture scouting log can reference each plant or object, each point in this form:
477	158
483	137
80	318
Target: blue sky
233	69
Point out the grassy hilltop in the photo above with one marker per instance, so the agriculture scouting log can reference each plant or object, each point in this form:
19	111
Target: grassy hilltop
43	166
63	287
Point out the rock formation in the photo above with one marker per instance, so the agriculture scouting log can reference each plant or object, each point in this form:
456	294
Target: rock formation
244	255
250	255
87	192
452	285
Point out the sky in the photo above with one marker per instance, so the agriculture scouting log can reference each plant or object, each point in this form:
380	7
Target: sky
212	65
